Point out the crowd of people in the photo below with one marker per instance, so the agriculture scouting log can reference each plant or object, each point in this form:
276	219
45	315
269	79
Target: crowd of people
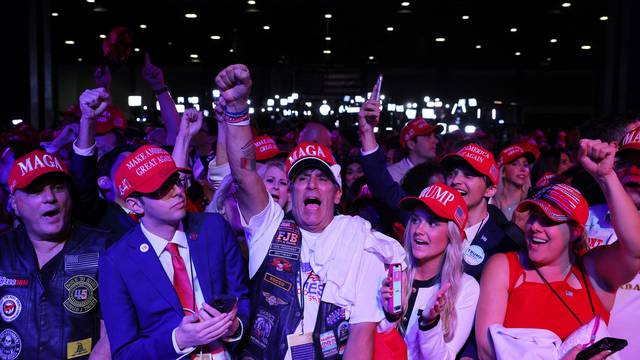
211	239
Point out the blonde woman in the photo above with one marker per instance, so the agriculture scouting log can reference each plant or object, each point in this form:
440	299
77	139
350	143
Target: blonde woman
439	304
515	163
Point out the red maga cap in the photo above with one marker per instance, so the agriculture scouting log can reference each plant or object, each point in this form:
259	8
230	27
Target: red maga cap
479	158
144	171
630	142
266	148
442	200
560	203
415	128
315	155
33	165
513	152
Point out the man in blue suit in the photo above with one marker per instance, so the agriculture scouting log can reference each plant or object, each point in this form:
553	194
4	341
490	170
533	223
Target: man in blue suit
159	278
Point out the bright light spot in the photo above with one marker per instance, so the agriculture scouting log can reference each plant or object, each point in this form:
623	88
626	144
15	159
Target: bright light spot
266	27
327	16
323	101
391	107
69	42
444	128
205	112
548	59
328	38
473	102
326	51
585	47
79	59
388	128
136	49
478	113
16	121
324	109
359	99
158	106
565	5
102	36
54	14
180	108
308	103
469	129
196	106
437	103
191	15
215	37
399	108
411	113
478	46
440	39
453	128
143	26
497	102
376	129
389	28
382	97
602	18
91	1
405	3
553	41
517	53
283	102
269	108
251	2
270	102
180	99
145	107
215	93
193	56
465	17
500	121
513	29
429	113
193	100
493	114
371	58
135	100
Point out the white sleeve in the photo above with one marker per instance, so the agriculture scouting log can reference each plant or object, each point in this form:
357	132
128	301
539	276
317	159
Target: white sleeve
215	173
365	153
84	152
368	305
260	231
432	344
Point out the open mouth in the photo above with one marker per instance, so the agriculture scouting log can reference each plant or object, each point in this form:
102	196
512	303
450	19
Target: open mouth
312	203
538	241
462	192
420	242
51	213
275	197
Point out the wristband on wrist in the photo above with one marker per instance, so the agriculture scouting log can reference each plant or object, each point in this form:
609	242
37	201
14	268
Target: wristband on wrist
161	90
424	325
243	120
238	114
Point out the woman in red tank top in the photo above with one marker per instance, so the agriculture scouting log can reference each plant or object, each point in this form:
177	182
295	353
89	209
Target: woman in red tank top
547	286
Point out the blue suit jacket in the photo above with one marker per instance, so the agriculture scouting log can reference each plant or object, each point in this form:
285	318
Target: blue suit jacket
139	304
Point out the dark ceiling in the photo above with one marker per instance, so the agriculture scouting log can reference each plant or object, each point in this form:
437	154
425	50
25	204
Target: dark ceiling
358	31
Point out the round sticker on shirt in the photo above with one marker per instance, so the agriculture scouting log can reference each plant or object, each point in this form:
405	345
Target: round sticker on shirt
474	255
81	297
10	344
11	307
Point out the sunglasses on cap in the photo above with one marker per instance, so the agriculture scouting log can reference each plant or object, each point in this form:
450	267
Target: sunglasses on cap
166	188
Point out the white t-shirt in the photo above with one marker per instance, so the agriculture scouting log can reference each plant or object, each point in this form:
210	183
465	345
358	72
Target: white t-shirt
625	313
367	306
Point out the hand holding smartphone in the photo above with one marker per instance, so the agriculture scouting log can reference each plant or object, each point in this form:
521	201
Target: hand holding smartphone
395	303
223	303
604	344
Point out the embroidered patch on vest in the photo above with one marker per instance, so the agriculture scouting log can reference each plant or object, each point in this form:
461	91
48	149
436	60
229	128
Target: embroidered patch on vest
274	280
273	300
10	344
81	262
78	348
262	329
81	297
5	281
11	307
328	344
335	316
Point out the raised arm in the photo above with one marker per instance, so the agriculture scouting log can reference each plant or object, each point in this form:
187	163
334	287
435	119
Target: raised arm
155	78
235	84
616	264
189	126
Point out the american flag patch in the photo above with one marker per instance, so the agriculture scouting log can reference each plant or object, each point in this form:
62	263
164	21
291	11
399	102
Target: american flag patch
81	262
459	215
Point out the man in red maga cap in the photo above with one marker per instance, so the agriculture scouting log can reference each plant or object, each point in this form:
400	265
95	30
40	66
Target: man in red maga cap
420	139
49	269
314	275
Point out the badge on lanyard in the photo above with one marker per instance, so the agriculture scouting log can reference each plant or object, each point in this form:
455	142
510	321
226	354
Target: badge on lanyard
301	346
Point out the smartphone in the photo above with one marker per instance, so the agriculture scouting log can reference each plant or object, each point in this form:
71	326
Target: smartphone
223	303
376	95
395	303
607	343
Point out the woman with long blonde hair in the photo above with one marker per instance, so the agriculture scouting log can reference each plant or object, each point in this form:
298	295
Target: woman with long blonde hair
515	163
439	298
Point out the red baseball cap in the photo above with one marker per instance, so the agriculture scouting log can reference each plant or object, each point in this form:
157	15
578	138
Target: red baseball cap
630	142
560	203
266	148
443	200
513	152
314	155
111	118
33	165
415	128
479	158
144	171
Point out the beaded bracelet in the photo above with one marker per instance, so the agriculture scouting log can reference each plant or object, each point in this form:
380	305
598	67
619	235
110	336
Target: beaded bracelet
243	120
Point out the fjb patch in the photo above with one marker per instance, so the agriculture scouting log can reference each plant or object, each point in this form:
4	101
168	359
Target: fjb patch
81	289
17	282
11	307
262	329
10	344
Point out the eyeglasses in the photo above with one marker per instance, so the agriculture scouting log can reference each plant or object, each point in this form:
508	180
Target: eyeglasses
166	188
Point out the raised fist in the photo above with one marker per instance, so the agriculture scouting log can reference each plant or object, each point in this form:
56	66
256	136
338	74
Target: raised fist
152	74
235	84
191	122
597	157
93	102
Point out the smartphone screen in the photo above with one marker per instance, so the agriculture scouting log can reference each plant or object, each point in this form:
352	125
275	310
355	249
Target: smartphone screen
376	95
397	288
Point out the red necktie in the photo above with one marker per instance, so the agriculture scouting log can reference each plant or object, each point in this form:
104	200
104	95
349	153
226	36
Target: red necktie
181	279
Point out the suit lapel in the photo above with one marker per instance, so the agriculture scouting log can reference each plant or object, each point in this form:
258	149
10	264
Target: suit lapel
200	258
149	264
